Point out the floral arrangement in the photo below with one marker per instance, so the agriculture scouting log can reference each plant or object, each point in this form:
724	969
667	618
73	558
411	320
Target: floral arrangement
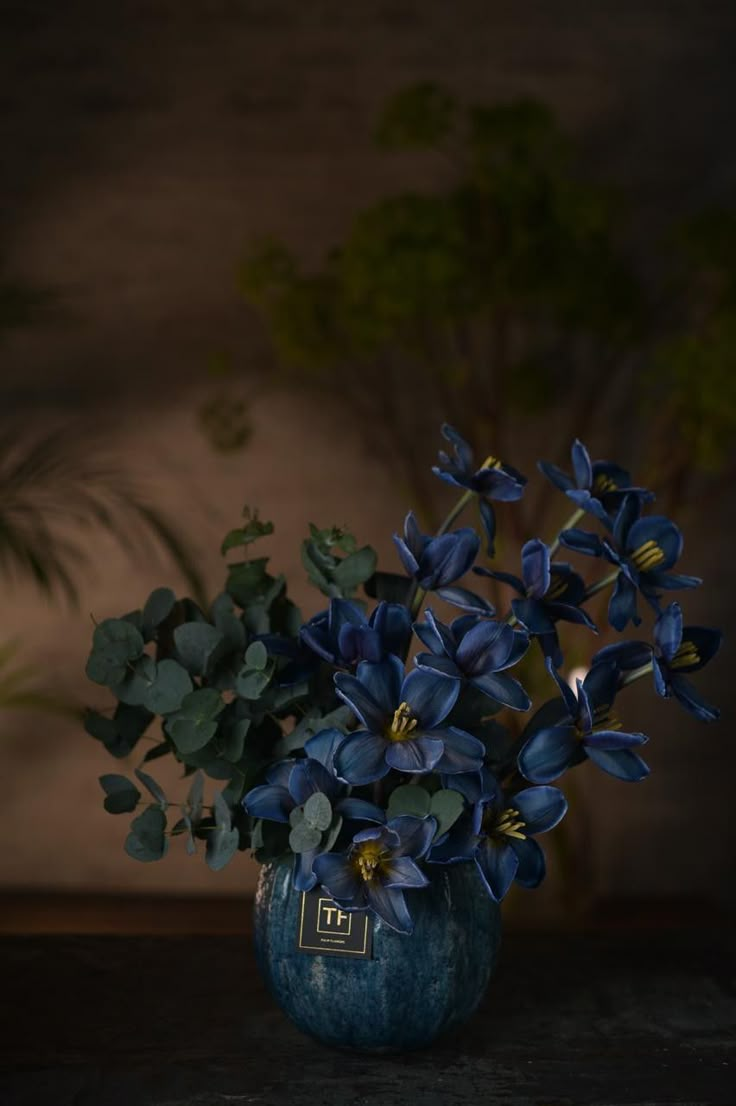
325	742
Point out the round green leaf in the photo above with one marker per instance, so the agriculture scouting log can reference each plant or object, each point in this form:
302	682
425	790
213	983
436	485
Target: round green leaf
222	844
304	837
446	806
409	799
159	606
171	684
139	678
250	683
121	796
332	836
115	644
150	784
190	735
256	656
296	816
318	811
199	646
147	840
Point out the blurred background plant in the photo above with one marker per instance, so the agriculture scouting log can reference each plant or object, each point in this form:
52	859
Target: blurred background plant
55	486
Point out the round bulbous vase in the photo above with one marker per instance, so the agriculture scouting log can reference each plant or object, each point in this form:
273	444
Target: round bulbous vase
411	990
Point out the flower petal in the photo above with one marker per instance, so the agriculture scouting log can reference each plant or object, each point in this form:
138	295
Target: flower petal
362	758
304	877
420	754
323	745
442	666
309	777
388	903
503	689
555	475
365	708
547	753
580	541
535	568
624	764
415	834
462	752
532	867
401	871
383	682
485	647
407	558
611	740
534	615
270	801
622	604
581	466
660	530
668	630
466	600
540	807
497	864
707	642
360	810
688	695
337	875
430	696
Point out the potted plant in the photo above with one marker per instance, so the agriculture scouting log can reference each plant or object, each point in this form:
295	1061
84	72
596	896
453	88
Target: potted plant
362	755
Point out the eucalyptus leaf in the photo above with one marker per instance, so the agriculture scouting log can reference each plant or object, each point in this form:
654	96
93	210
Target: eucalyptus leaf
199	646
121	796
115	645
222	844
318	811
251	683
446	806
150	784
222	812
334	832
409	799
296	816
233	742
171	684
355	569
133	690
256	656
147	839
304	837
195	797
157	609
120	733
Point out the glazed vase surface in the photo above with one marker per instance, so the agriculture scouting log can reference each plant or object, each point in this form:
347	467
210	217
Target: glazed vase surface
411	990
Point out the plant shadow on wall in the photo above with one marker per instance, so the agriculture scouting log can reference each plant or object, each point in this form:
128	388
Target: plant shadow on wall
510	299
510	290
56	488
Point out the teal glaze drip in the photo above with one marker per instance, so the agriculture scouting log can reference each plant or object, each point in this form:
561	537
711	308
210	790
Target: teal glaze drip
412	990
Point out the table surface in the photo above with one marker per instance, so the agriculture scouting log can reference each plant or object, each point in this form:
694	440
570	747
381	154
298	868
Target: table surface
636	1018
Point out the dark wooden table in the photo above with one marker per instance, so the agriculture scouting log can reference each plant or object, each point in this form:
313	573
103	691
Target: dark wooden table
629	1018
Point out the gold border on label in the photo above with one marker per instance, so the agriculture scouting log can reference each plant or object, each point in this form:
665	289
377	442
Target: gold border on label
321	948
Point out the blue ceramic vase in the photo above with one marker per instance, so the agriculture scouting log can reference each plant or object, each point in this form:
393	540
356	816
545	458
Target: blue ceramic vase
411	990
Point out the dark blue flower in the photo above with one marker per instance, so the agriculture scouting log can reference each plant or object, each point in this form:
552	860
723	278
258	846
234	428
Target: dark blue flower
644	549
379	865
550	592
436	562
343	636
597	487
583	726
477	652
403	717
677	650
492	480
289	784
499	835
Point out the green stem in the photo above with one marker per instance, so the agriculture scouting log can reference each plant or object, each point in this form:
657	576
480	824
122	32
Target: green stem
600	585
573	519
637	674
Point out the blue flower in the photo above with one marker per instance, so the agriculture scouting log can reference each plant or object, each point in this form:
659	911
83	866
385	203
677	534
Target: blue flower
597	487
343	636
403	717
499	835
643	549
550	593
289	784
379	865
493	480
436	562
476	652
582	726
677	650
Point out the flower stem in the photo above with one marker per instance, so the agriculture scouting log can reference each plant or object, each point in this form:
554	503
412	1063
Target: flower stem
573	519
600	585
637	674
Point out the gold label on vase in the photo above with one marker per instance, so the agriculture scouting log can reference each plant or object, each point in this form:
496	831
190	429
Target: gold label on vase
325	928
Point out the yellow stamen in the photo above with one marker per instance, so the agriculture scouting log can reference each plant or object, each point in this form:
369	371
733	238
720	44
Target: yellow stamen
604	483
508	826
556	587
647	556
686	655
491	462
402	725
367	858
